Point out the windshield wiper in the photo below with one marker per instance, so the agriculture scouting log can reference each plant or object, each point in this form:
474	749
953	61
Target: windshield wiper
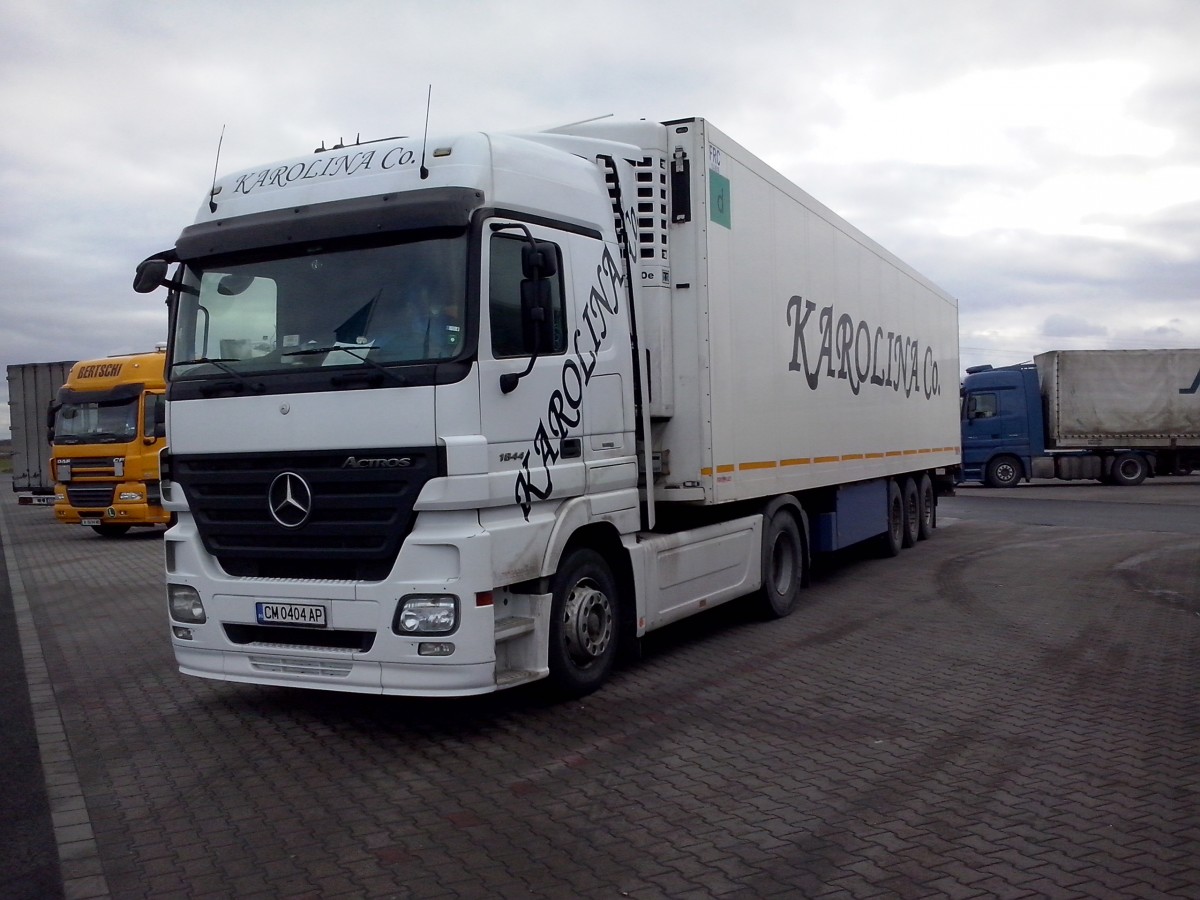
237	386
313	351
219	363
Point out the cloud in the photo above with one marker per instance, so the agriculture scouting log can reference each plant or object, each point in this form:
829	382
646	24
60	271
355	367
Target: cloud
1037	160
1060	326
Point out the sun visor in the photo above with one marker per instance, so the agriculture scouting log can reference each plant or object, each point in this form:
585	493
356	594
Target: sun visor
445	207
118	394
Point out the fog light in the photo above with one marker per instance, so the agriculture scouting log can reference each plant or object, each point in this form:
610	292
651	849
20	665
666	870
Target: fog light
184	634
185	604
428	648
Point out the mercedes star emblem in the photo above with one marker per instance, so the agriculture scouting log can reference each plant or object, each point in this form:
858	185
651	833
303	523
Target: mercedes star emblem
290	500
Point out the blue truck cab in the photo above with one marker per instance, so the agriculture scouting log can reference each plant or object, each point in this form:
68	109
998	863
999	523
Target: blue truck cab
1003	426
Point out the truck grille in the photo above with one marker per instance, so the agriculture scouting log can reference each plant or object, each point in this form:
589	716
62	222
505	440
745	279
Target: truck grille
105	464
88	496
356	522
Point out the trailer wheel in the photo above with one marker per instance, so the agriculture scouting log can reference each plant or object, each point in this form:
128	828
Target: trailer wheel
912	514
110	531
782	565
1003	472
584	616
892	540
1129	469
928	505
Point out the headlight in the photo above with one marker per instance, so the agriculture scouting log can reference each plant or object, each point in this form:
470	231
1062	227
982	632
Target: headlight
185	604
62	469
132	496
425	614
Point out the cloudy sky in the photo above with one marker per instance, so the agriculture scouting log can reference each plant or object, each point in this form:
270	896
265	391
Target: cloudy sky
1038	159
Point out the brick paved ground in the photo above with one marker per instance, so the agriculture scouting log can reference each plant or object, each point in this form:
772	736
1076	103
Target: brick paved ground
1006	711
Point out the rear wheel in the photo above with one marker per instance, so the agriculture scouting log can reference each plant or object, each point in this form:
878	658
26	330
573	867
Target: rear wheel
892	540
1130	469
584	616
782	564
912	513
928	505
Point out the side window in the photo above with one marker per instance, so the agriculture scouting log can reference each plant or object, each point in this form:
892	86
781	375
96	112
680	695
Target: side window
154	414
982	406
510	337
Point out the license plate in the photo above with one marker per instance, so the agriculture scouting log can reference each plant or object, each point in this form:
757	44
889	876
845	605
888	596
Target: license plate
95	520
307	615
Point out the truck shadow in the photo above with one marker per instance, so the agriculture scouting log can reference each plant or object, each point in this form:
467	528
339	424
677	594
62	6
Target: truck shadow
716	632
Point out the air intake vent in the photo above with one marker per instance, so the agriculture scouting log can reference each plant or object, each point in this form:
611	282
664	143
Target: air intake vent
90	496
648	231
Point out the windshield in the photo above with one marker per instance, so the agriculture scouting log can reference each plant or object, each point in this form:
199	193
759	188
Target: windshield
385	305
110	422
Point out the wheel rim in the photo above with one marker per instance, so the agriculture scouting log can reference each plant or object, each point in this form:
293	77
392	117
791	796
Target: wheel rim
588	623
1130	468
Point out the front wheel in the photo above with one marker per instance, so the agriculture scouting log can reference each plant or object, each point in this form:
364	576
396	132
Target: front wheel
782	565
110	531
1003	472
584	619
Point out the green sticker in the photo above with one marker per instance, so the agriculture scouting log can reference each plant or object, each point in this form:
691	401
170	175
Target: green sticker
718	199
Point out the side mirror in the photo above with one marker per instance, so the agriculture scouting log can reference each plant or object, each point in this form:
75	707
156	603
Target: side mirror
539	260
537	320
232	285
51	415
150	276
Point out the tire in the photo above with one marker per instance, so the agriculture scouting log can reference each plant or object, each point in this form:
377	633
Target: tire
912	514
1129	469
927	501
584	619
892	540
782	564
1003	472
110	531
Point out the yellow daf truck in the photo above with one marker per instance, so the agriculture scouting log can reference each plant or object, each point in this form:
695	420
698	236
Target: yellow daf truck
107	428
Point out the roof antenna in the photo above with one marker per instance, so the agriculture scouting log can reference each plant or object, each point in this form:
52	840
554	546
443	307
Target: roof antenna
212	202
425	139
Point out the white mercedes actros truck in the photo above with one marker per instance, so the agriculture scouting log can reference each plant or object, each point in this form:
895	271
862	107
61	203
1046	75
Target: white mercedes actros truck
447	416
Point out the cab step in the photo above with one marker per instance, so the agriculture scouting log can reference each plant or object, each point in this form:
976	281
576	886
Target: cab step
512	626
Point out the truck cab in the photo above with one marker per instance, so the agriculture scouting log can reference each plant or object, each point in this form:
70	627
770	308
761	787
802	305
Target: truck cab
1002	424
107	427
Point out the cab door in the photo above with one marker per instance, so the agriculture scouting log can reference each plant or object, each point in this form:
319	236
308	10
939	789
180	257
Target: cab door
531	386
